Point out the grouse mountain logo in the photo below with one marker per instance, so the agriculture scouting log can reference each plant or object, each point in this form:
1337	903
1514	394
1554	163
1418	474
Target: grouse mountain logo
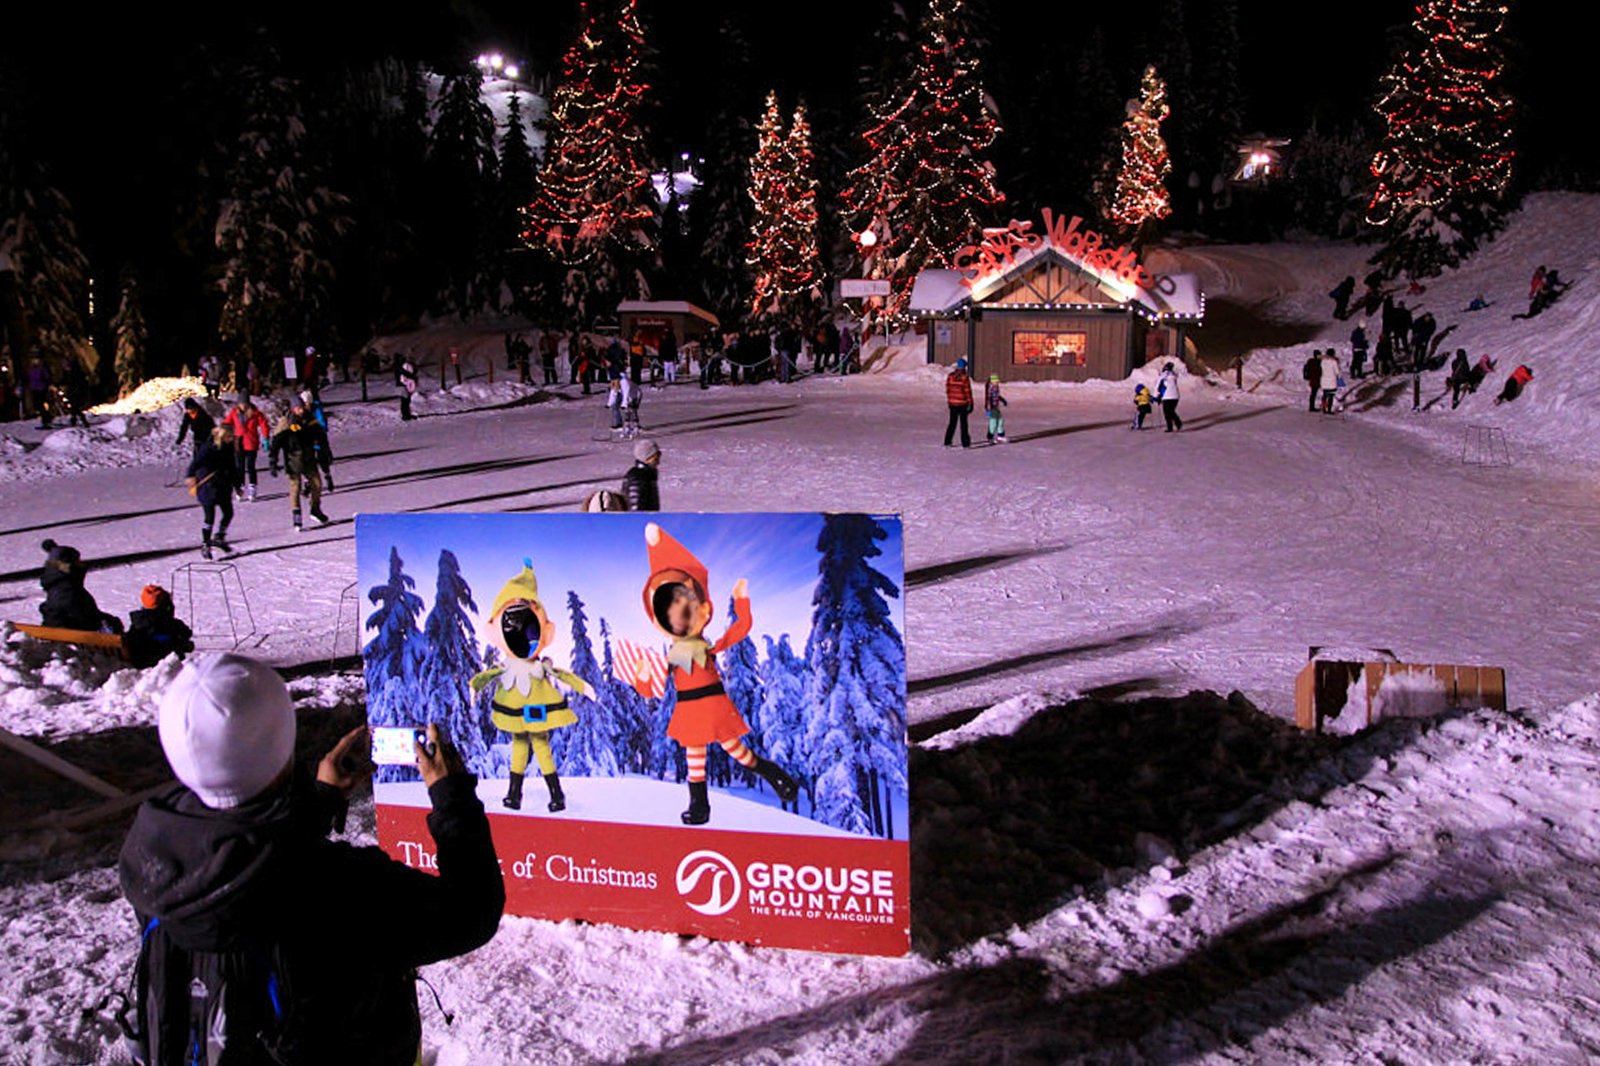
708	882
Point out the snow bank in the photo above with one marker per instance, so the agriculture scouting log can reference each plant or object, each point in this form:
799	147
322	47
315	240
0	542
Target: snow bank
1558	416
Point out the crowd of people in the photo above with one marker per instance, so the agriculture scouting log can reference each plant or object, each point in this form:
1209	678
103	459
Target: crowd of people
1410	342
224	463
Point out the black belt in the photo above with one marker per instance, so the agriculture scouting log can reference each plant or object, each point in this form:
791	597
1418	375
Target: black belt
701	693
538	712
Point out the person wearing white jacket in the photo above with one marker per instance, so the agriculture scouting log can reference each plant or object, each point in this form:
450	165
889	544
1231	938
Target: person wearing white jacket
1167	393
1331	374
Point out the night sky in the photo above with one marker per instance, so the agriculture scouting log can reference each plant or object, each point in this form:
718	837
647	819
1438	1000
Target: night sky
101	90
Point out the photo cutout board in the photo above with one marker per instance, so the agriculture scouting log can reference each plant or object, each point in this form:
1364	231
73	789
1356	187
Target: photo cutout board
692	723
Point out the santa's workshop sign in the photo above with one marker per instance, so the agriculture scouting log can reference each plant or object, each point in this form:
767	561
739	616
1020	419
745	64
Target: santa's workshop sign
1001	248
692	723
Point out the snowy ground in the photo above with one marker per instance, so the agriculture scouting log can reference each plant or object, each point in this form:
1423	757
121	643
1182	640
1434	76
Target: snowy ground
1134	876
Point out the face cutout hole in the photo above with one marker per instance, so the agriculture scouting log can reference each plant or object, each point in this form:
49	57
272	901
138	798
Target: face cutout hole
677	608
520	626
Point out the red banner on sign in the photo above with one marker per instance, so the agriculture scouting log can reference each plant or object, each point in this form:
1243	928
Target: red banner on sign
815	893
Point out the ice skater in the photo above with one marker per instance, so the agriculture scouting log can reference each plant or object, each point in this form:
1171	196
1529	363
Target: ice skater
993	404
958	397
1143	404
1167	394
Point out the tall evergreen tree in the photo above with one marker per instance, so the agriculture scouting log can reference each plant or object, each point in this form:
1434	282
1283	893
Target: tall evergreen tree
719	211
784	688
1445	163
1141	197
1219	103
783	234
450	657
594	208
925	187
50	271
462	157
279	226
130	336
855	658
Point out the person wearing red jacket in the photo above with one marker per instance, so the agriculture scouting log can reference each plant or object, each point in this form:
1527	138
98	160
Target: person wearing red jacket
958	395
250	428
1514	385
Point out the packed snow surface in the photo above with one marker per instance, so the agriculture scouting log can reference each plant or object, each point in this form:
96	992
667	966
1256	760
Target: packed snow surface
1111	862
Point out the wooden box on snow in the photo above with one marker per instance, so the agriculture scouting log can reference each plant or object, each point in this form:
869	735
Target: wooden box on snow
1349	696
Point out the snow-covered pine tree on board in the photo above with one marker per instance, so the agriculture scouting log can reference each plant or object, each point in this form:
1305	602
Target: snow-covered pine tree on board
668	760
740	670
925	189
130	336
450	658
391	658
1445	162
856	660
279	225
628	711
784	687
588	748
784	256
1140	198
594	207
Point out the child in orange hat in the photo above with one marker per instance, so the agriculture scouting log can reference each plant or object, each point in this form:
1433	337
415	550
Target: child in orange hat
677	600
155	631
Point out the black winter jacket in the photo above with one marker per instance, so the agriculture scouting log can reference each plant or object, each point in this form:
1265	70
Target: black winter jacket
213	471
68	605
155	634
640	489
351	923
199	424
303	443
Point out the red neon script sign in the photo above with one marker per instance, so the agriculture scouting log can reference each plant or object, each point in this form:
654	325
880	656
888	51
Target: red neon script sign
997	252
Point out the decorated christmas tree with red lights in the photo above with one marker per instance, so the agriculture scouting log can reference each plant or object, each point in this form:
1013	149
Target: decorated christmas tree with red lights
594	205
925	189
1140	197
1445	161
783	235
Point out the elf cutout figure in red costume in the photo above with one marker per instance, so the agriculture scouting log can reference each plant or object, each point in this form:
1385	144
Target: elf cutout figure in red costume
677	600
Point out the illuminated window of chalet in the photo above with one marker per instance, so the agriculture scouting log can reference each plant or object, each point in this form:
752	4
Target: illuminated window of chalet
1039	348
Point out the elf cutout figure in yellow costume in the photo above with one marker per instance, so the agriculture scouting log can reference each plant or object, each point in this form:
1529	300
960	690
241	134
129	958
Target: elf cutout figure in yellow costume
527	703
677	600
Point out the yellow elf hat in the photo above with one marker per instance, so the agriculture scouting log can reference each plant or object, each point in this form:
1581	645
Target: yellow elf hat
522	587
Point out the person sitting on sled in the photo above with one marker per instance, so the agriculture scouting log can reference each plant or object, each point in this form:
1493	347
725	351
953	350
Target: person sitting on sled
677	600
526	702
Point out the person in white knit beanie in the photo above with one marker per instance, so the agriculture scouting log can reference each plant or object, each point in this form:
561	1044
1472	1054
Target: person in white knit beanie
263	938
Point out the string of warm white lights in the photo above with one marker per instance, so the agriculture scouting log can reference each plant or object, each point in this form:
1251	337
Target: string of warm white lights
1448	117
1141	191
784	253
593	194
925	187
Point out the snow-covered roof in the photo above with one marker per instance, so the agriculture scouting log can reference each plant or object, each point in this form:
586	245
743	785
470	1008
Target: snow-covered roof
938	292
942	292
666	307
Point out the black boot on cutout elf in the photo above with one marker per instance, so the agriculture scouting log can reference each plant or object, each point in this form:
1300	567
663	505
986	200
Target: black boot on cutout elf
699	812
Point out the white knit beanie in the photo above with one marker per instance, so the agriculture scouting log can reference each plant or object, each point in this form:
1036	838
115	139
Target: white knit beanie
227	727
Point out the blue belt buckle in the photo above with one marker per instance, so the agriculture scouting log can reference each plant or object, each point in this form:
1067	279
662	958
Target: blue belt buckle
529	709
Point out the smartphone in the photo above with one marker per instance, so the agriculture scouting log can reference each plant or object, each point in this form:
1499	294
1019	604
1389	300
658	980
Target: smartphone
396	745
